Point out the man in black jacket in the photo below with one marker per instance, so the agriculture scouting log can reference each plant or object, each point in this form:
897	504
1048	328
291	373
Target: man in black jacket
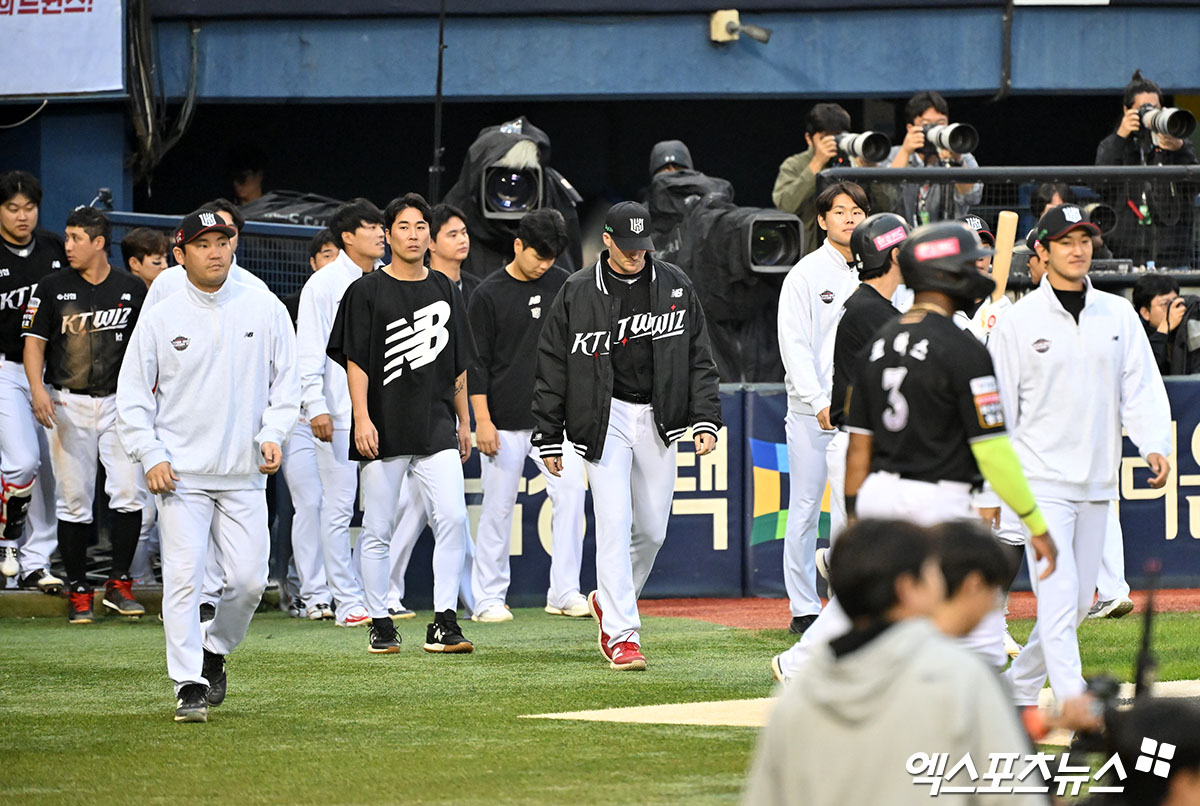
1154	219
624	368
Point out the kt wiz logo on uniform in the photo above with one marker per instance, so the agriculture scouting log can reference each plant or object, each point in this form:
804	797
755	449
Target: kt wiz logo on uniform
664	325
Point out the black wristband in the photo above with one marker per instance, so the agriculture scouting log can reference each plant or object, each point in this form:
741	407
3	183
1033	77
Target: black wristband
851	502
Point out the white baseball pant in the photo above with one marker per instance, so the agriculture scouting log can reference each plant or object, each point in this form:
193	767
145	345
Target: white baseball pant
1063	600
808	446
414	517
339	484
439	481
501	477
1111	584
142	569
186	521
86	431
23	450
632	486
304	484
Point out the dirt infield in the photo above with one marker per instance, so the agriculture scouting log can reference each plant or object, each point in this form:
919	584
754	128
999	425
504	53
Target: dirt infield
766	614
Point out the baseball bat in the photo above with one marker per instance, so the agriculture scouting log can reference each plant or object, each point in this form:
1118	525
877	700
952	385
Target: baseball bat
1006	237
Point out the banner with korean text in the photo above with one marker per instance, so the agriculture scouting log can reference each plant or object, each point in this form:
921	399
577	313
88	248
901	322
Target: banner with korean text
61	47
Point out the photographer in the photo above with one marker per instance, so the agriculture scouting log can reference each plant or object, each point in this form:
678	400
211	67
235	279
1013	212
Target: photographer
925	202
1154	219
1174	779
1156	299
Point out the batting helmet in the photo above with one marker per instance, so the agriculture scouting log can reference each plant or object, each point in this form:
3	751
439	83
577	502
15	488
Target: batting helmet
873	240
941	257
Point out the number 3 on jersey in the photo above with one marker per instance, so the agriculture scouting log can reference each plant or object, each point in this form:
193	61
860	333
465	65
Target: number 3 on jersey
895	416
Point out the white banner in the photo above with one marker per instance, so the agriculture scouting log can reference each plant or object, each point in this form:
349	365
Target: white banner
57	47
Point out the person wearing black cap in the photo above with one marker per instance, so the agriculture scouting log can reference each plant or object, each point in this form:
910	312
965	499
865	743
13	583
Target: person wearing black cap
1073	368
670	155
207	394
623	370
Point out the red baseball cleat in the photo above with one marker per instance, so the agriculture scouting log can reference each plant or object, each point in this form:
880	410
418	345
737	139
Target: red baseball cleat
593	602
627	657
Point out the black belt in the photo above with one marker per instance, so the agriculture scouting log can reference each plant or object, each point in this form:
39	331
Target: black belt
86	393
632	397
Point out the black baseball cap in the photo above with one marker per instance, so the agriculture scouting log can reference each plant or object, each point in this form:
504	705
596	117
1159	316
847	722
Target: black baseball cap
1058	221
200	222
628	224
669	152
980	226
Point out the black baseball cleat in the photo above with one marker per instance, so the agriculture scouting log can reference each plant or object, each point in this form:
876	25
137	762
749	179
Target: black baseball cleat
214	672
444	634
800	624
192	703
79	605
382	637
41	580
118	597
207	611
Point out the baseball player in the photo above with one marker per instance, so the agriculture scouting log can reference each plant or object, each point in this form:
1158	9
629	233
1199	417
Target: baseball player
27	255
403	336
306	571
357	228
810	302
924	416
1073	367
76	329
623	369
206	397
506	319
144	252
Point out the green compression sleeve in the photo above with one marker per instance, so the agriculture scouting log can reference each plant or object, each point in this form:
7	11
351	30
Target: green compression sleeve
999	464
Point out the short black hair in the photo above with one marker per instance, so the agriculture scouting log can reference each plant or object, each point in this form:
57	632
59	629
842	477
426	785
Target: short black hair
318	241
1043	193
93	222
544	231
964	546
1168	722
1152	285
830	118
141	242
852	189
20	183
922	101
441	214
868	559
350	216
1138	84
223	205
413	200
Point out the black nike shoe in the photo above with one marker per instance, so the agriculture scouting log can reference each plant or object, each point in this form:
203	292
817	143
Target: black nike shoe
214	672
192	703
383	638
444	634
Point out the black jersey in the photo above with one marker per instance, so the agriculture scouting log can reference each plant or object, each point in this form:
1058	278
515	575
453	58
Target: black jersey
926	391
86	328
506	320
413	340
632	355
21	269
864	313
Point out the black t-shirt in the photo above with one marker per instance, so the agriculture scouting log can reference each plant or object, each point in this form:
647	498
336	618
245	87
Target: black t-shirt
926	391
506	320
86	327
413	340
632	353
467	283
21	269
1071	300
864	313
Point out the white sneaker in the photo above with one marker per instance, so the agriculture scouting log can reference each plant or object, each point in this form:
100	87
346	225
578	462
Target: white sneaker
492	614
1011	647
777	670
822	560
576	607
9	566
1111	608
356	617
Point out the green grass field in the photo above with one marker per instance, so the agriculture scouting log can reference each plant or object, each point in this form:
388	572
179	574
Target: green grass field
311	717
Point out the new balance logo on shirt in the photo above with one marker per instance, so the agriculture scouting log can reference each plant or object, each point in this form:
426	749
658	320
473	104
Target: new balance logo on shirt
417	344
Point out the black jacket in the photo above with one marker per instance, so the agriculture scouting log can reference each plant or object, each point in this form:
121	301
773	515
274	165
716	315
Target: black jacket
573	388
863	314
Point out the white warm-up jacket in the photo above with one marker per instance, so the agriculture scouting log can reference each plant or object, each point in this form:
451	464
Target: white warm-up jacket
1068	388
207	380
173	280
323	385
810	305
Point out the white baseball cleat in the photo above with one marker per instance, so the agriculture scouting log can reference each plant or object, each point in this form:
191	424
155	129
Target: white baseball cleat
576	607
9	566
493	614
356	617
1111	608
822	560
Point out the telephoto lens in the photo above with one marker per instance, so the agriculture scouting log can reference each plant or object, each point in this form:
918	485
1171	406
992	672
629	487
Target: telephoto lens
774	243
1169	120
961	138
867	146
511	191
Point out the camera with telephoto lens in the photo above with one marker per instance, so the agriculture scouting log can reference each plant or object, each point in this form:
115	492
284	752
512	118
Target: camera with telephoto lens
1168	120
774	242
866	146
506	192
959	138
